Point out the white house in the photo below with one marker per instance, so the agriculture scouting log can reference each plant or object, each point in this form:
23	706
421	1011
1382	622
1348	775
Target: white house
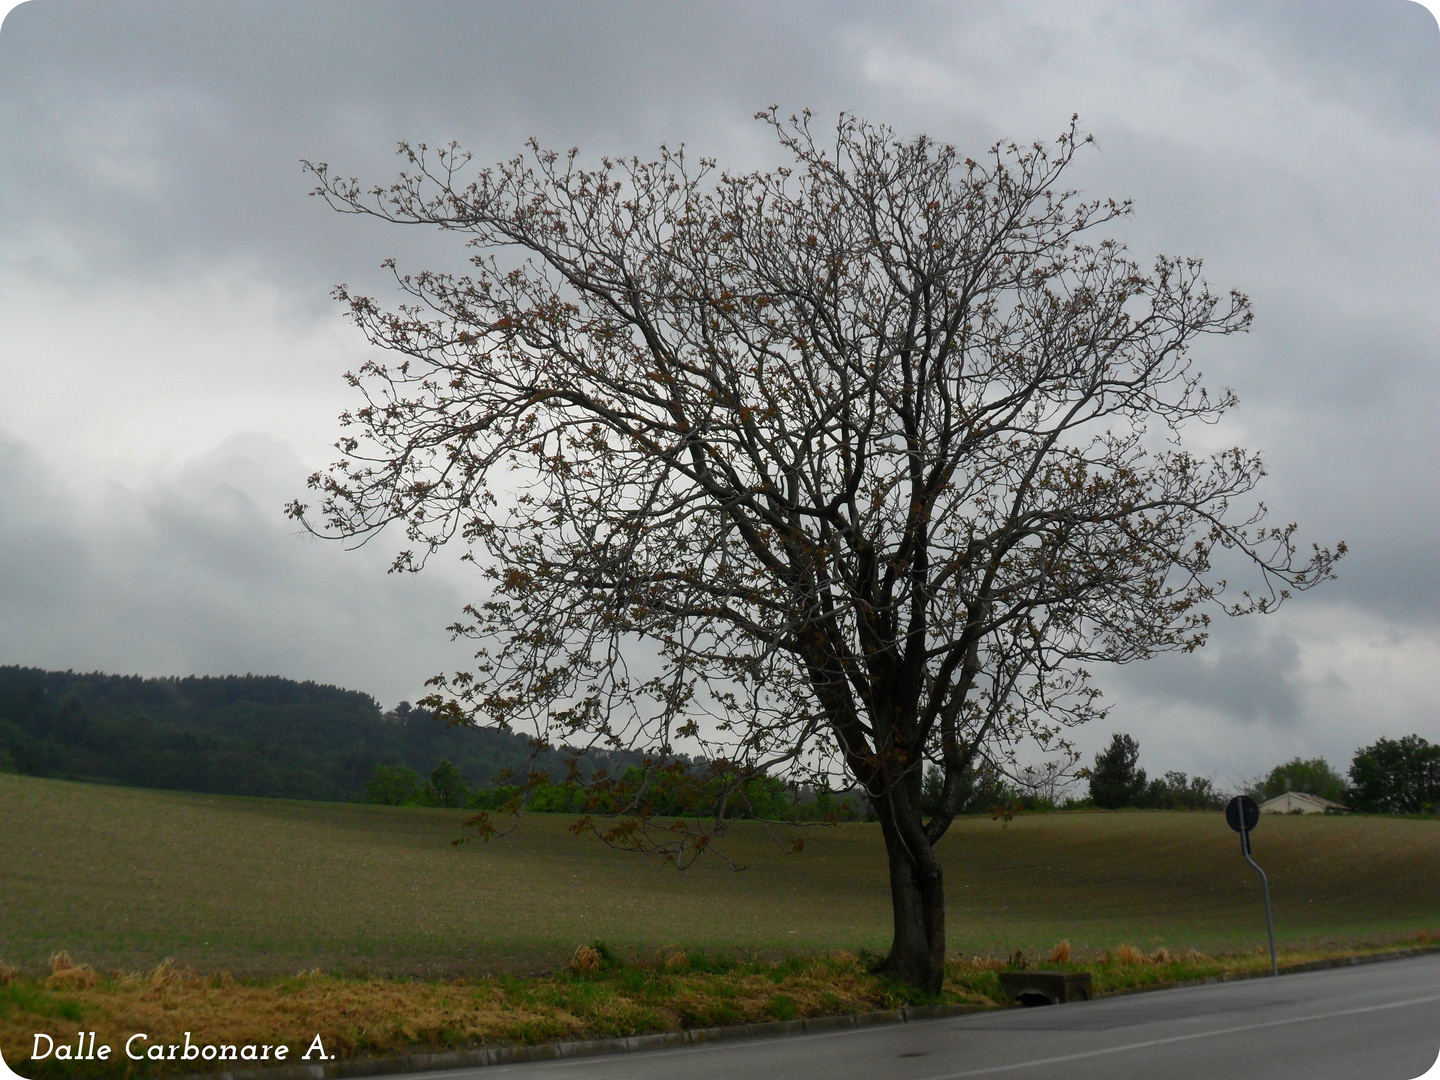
1297	802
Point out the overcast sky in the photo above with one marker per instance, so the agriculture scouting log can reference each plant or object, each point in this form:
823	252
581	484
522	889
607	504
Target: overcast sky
170	360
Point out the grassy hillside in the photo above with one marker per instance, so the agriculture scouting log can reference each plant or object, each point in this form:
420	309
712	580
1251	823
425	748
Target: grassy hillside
123	877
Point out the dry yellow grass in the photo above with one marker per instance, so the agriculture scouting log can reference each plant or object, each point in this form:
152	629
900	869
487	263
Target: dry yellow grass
65	974
358	1017
1129	955
585	960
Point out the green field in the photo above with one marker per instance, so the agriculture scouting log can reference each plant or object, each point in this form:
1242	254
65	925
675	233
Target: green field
123	877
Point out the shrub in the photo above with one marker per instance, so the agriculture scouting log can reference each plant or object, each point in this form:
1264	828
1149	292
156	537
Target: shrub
446	787
392	786
496	798
1176	791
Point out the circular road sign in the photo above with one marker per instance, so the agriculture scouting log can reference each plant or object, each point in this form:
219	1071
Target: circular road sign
1242	809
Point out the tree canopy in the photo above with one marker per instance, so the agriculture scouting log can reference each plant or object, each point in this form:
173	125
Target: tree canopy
1313	777
1396	776
1116	779
856	463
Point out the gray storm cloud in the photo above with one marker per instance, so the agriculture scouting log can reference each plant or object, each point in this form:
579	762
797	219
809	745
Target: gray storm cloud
195	570
1249	676
171	360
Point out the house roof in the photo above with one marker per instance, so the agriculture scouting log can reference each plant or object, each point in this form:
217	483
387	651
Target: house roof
1326	804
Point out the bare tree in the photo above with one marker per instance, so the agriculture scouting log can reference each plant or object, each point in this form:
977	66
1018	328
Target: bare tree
858	461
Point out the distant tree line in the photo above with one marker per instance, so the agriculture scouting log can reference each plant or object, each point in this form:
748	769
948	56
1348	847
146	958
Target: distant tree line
667	793
275	737
985	789
1117	781
236	735
687	791
1391	776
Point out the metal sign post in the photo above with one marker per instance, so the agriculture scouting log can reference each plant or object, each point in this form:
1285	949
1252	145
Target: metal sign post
1242	814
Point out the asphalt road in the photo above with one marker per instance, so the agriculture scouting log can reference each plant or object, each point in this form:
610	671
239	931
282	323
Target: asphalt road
1372	1022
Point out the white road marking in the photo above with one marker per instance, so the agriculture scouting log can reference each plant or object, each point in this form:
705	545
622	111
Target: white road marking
1179	1038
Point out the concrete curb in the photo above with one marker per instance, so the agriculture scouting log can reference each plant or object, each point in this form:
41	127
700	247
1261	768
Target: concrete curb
1285	969
514	1055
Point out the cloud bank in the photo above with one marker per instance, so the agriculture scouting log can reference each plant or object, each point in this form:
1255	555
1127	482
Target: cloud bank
171	359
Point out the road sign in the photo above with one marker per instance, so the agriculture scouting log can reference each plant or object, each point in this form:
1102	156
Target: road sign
1242	814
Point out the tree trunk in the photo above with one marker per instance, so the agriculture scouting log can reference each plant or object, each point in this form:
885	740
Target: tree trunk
917	893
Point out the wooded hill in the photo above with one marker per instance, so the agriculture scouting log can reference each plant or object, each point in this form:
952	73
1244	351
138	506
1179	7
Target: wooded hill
233	735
